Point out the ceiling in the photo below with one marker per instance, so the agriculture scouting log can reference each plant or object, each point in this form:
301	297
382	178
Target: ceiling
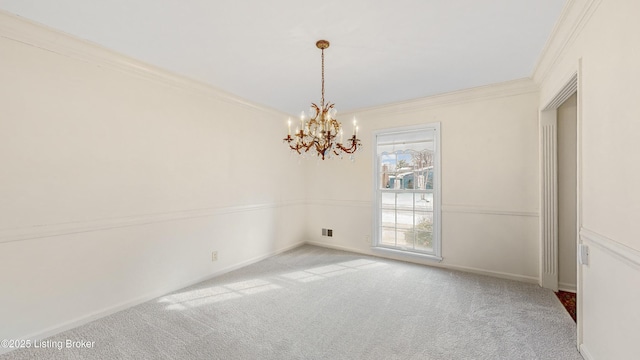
381	51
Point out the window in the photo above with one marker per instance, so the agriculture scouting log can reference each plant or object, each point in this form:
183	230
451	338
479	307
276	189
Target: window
407	183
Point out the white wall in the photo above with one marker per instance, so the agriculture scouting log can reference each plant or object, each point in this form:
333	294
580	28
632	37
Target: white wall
489	179
118	180
598	38
567	168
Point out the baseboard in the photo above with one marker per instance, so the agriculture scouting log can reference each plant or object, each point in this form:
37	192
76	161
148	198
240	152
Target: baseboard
585	353
338	247
497	274
567	287
51	331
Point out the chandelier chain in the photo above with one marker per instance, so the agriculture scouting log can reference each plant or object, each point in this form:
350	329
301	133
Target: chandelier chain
322	100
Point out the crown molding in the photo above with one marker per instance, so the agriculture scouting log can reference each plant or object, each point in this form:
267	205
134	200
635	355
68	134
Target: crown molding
573	18
20	29
485	92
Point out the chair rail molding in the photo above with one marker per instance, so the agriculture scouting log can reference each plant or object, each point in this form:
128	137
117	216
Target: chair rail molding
48	230
622	252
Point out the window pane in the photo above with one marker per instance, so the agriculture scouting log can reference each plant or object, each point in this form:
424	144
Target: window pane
388	236
429	184
404	219
424	202
424	240
404	225
423	219
388	199
405	237
420	234
388	217
387	168
405	201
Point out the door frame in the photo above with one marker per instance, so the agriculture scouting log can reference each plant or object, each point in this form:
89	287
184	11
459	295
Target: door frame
548	155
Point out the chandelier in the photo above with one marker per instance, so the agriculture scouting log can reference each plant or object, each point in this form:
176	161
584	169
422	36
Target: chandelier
322	129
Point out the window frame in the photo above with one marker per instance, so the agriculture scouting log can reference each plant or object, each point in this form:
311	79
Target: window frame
437	197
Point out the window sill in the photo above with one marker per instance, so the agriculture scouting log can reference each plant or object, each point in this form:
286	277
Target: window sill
400	254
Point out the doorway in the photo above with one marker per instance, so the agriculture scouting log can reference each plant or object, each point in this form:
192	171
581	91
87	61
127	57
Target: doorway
549	216
567	115
549	186
567	194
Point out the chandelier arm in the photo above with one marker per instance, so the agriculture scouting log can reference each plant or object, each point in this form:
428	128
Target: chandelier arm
317	109
308	147
354	146
295	148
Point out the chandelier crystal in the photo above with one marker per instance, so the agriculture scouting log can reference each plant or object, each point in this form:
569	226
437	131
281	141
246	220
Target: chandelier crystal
322	130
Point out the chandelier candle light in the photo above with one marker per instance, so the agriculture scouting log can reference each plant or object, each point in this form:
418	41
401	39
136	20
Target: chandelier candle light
322	128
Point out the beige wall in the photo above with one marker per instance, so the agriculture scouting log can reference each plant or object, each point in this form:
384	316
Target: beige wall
489	179
118	181
567	168
601	36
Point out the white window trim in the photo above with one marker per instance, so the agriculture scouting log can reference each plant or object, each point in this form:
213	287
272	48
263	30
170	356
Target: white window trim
437	192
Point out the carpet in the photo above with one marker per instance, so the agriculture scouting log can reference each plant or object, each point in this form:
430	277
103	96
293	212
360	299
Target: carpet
317	303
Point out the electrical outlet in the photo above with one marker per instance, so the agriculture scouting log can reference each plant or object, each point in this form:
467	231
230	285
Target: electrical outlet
214	256
324	232
330	232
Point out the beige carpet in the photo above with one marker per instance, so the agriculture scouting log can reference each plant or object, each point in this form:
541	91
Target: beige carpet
316	303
